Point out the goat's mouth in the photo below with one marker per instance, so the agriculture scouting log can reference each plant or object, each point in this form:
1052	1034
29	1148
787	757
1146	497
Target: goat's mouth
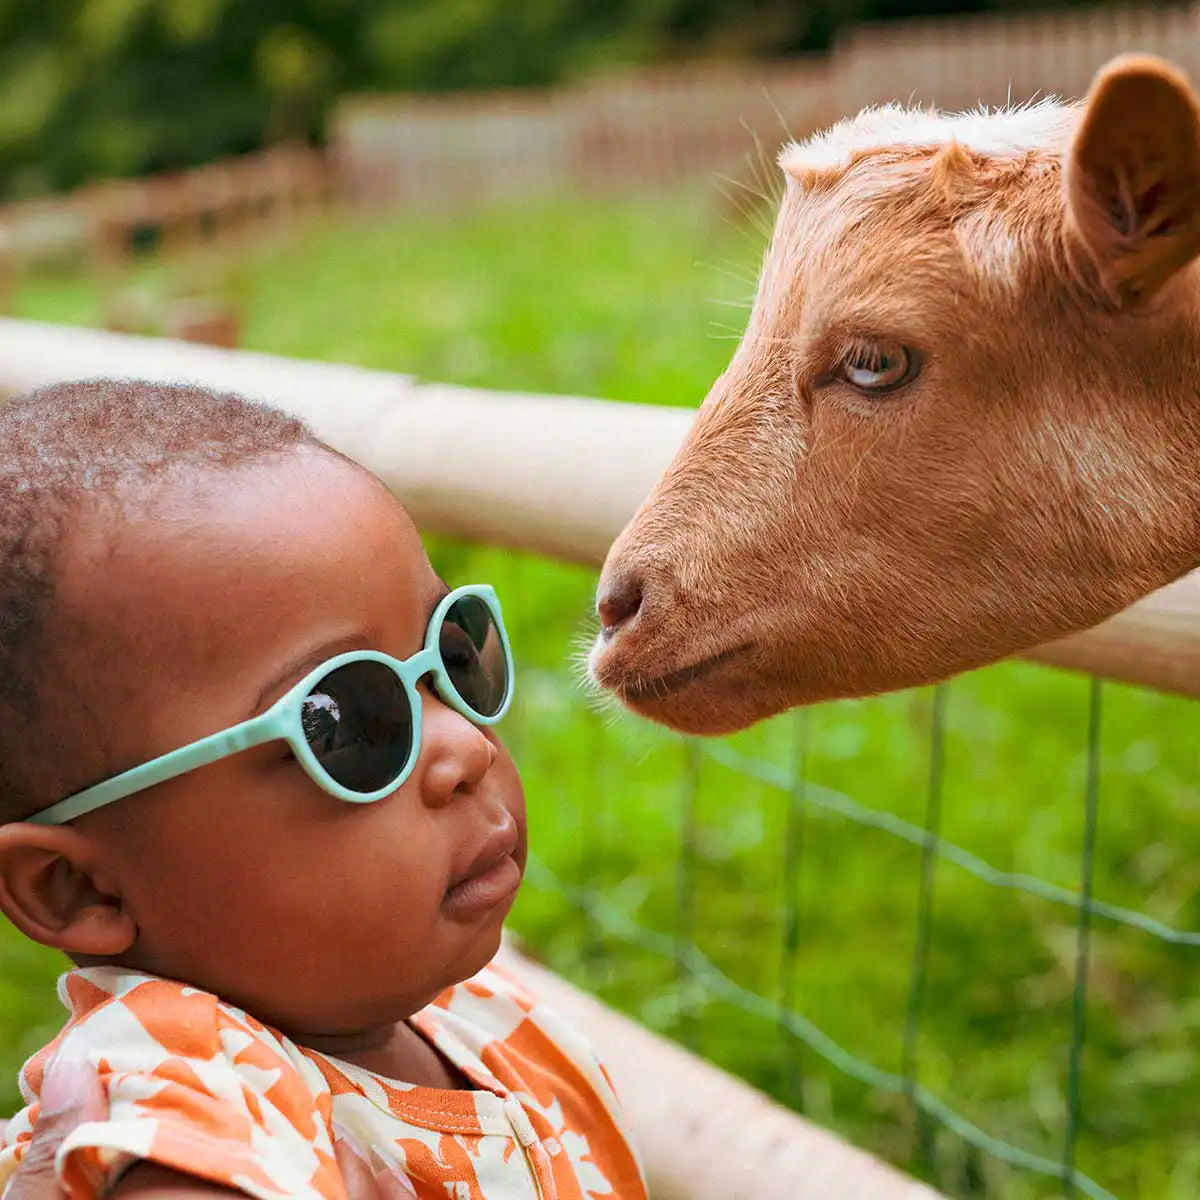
661	686
715	695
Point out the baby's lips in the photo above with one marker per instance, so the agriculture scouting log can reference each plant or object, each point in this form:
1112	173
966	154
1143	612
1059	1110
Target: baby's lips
502	841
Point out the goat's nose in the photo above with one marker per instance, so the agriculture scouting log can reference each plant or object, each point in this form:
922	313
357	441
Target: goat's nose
618	603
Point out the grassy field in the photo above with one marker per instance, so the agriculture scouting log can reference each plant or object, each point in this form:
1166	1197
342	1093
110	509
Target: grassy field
645	843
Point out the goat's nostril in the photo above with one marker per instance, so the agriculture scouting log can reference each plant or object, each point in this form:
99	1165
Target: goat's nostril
618	603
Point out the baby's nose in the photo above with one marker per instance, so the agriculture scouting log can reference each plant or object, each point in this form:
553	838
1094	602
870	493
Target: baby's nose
455	755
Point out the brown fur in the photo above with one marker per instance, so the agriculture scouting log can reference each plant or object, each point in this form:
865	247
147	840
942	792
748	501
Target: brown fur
1037	476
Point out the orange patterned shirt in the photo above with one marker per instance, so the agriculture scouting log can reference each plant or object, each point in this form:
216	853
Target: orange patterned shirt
200	1087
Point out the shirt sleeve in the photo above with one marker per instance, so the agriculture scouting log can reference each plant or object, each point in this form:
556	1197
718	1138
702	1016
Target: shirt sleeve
199	1088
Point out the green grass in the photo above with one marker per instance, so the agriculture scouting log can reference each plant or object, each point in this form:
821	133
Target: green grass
616	300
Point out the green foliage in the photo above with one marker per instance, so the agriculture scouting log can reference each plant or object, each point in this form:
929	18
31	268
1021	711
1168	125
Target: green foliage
97	88
93	88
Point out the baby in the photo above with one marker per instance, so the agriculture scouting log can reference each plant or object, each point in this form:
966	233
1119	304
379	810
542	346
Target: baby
250	784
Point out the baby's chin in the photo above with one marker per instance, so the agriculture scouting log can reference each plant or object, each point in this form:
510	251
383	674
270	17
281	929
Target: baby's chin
488	949
470	956
484	948
466	966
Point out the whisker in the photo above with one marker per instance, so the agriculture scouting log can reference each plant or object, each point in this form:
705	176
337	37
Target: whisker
742	185
727	271
791	137
763	167
753	227
754	199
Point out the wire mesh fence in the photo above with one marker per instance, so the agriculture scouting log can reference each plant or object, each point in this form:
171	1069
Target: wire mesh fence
957	926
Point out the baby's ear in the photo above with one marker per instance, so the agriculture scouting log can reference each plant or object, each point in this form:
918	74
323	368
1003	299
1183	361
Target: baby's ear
49	889
1133	176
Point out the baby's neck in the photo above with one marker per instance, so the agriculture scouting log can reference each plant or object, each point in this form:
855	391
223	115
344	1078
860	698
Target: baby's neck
396	1052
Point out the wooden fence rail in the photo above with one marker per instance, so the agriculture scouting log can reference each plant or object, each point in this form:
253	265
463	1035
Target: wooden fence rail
571	474
221	204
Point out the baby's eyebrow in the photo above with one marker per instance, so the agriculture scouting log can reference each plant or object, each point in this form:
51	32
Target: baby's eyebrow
299	667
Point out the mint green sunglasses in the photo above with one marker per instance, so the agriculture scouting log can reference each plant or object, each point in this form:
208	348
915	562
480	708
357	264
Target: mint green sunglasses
354	722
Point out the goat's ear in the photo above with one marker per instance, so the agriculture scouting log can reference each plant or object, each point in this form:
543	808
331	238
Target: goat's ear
1133	176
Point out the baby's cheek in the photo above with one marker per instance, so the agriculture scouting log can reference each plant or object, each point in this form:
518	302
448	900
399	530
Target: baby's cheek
509	780
389	885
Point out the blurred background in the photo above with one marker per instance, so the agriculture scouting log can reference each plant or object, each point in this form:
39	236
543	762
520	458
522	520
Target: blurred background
870	910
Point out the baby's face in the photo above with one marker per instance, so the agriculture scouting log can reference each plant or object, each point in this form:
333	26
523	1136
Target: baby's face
206	603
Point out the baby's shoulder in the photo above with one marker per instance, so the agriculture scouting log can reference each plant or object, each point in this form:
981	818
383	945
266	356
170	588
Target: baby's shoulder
131	1004
185	1080
94	994
125	1020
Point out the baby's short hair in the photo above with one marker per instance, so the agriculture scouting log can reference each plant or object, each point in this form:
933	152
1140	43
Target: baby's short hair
58	446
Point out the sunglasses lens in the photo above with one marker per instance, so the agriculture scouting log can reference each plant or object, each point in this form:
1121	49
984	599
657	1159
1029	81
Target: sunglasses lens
473	653
358	723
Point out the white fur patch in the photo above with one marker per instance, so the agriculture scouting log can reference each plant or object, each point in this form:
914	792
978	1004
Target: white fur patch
1000	133
990	247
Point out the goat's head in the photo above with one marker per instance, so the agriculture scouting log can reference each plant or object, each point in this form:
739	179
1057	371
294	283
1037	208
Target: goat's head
964	417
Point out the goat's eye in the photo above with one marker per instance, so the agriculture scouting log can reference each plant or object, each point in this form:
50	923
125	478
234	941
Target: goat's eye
878	367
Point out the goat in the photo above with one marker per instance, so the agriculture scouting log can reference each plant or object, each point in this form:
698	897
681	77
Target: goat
964	417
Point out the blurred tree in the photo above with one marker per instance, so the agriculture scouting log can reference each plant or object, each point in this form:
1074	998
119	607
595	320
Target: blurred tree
92	88
111	87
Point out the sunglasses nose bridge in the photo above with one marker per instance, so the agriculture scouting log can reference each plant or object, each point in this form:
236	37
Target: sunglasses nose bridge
417	669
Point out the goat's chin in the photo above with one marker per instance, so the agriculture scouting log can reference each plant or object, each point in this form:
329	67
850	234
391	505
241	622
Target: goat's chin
726	694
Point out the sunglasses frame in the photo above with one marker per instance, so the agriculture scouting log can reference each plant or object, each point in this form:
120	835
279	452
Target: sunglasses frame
282	722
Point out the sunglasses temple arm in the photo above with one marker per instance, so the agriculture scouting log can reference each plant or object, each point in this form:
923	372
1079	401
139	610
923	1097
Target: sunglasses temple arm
207	750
